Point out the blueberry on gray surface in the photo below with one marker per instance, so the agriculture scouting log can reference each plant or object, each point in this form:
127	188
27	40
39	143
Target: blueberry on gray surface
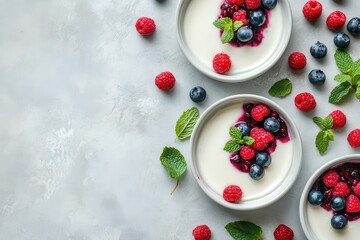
315	197
257	18
244	34
269	4
353	26
263	159
341	40
338	203
244	128
256	172
338	221
318	50
197	94
317	77
272	125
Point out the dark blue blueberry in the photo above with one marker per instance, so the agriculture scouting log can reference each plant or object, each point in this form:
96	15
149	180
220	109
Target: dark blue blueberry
317	77
315	197
338	203
272	125
263	159
341	40
269	4
338	221
257	18
244	128
245	34
318	50
197	94
256	172
353	26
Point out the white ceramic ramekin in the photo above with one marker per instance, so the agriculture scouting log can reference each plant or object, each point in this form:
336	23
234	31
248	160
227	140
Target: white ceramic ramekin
294	168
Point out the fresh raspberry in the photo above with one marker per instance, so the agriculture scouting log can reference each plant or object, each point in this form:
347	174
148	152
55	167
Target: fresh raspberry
336	20
262	138
221	63
232	193
259	112
356	189
352	204
247	153
283	232
339	119
354	138
165	81
341	189
240	16
252	4
312	10
237	2
201	232
331	178
305	102
297	61
145	26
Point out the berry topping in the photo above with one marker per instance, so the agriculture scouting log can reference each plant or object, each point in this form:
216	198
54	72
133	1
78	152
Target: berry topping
245	34
165	81
240	16
352	204
253	4
336	20
283	232
354	138
259	112
315	197
221	63
297	61
356	189
261	137
197	94
338	204
202	232
237	2
341	189
305	102
257	18
331	178
269	4
232	193
312	10
338	221
272	125
317	77
244	128
256	172
263	159
318	50
353	26
339	119
247	153
145	26
341	40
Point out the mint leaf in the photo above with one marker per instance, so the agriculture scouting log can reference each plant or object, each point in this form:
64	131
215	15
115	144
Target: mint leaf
339	92
232	146
355	68
325	123
322	142
342	78
329	134
185	124
227	35
281	88
221	22
237	25
248	140
343	61
243	230
235	133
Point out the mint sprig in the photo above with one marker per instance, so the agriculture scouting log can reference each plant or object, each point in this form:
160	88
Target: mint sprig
228	27
281	88
186	123
244	230
325	135
238	140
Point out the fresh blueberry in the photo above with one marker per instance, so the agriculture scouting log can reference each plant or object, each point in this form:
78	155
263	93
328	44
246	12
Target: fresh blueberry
244	128
257	18
315	197
269	4
338	221
197	94
317	77
318	50
338	203
341	40
353	26
272	125
263	159
256	172
245	34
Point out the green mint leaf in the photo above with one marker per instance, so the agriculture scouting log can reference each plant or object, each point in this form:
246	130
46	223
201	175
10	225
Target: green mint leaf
343	61
339	92
243	230
322	142
173	161
342	78
237	25
232	146
248	140
329	134
185	124
220	23
281	88
235	133
325	123
355	68
227	35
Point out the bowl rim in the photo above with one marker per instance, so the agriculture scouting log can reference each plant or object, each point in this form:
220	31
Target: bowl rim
241	77
303	199
294	169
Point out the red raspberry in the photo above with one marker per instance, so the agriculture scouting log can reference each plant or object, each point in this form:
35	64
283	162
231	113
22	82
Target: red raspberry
339	119
283	232
165	81
341	189
259	112
312	10
305	102
232	193
145	26
356	189
240	16
201	232
237	2
352	204
297	61
336	20
262	138
221	63
247	153
354	138
252	4
331	178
